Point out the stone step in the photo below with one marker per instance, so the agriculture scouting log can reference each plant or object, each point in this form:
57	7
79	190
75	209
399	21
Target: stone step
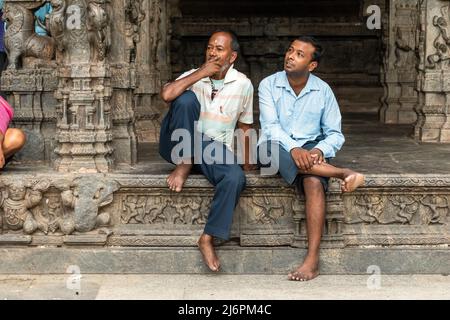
234	260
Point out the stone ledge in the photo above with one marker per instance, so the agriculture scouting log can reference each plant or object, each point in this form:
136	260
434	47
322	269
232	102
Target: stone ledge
253	179
130	209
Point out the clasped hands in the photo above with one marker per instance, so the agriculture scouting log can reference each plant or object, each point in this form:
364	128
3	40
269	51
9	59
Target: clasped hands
305	159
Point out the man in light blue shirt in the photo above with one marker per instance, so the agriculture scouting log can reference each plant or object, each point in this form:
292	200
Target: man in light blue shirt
301	131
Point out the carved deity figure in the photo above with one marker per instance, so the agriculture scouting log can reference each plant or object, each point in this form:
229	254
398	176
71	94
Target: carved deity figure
18	198
98	27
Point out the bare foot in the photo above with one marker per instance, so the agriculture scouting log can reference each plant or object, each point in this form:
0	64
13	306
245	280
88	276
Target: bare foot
352	180
206	246
177	178
307	271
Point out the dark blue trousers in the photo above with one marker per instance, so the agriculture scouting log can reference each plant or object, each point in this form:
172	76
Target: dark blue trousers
227	178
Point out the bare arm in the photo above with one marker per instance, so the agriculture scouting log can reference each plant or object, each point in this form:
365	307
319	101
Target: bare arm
173	90
2	155
248	166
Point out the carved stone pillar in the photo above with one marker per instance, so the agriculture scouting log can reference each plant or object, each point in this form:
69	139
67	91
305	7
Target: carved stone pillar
399	72
139	63
152	67
434	72
82	35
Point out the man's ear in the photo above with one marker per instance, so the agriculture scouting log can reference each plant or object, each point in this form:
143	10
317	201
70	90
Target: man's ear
234	56
313	65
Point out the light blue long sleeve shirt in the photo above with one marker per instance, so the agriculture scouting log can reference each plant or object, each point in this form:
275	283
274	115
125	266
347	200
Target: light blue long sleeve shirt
294	120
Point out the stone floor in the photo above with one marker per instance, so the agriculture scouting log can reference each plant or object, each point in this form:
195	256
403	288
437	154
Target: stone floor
370	147
226	287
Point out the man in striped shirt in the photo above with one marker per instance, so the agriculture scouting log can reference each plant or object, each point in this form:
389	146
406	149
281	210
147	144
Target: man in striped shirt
210	102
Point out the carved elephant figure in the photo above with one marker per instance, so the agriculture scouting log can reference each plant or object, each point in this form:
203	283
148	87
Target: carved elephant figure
20	39
82	202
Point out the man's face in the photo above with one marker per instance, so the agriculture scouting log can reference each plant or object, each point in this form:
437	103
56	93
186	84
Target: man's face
219	46
298	58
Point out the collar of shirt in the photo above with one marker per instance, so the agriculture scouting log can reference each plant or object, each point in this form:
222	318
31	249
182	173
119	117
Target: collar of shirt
232	75
283	82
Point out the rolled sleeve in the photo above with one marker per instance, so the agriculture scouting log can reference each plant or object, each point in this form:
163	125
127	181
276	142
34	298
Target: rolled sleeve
270	123
331	127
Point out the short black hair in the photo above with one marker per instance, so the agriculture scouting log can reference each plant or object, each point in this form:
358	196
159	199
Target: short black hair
318	52
234	40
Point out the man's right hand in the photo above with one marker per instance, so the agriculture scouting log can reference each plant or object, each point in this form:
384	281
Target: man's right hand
211	67
302	159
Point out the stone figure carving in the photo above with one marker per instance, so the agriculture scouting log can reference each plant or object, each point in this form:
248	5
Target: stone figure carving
134	17
55	23
434	204
194	211
265	211
373	208
442	42
82	201
404	48
160	209
17	201
98	27
408	207
22	42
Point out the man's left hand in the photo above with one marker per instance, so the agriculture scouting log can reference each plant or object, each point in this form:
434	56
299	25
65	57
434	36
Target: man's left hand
317	156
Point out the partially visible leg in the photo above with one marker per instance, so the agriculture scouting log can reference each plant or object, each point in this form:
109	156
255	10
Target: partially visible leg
229	181
13	141
315	220
350	179
183	113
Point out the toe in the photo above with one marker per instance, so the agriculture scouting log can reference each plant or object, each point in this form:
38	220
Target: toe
294	276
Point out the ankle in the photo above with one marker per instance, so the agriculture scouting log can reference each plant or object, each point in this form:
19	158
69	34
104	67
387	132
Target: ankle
312	256
345	173
186	162
206	238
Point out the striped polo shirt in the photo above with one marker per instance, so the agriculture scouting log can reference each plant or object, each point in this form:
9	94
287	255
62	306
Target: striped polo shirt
233	102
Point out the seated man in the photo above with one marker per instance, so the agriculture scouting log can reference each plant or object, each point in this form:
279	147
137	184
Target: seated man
218	97
301	130
11	139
